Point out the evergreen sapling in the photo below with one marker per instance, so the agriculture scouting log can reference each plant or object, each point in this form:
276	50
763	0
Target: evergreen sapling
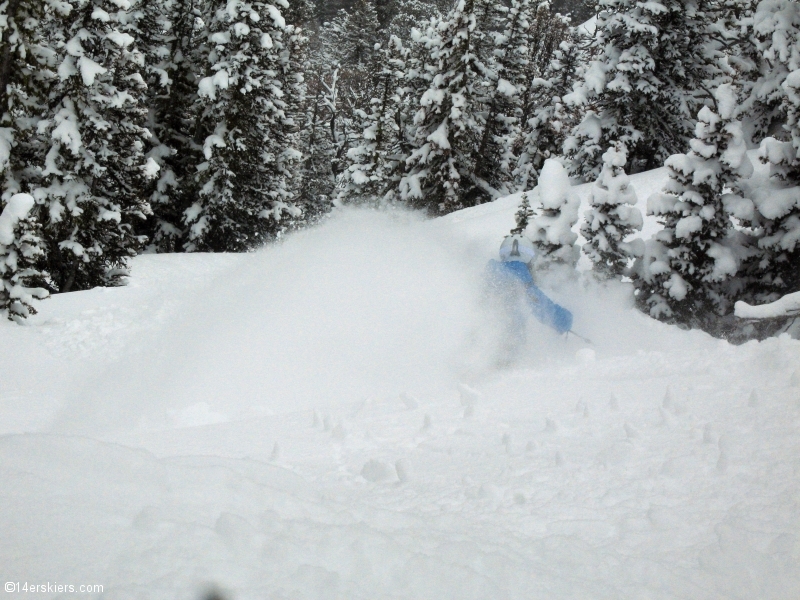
612	218
551	230
523	215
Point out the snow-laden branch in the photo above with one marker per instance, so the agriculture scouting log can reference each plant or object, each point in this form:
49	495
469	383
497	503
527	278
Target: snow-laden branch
788	306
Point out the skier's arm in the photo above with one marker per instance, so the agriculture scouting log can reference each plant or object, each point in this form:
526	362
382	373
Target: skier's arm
547	311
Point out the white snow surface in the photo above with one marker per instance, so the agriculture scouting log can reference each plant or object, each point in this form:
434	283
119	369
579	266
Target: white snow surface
324	418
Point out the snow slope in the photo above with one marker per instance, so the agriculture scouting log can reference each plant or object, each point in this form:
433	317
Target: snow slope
325	419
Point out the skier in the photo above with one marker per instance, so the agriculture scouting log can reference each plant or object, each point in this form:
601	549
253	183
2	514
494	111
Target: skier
510	280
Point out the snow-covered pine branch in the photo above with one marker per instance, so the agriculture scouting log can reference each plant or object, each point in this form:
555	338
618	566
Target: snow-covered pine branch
787	306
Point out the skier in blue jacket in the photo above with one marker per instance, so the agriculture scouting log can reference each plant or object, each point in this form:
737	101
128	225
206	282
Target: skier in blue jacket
510	278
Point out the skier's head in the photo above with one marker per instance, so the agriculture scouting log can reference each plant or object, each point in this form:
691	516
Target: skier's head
517	248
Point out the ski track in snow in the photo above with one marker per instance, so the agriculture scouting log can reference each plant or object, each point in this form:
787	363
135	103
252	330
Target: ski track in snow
324	419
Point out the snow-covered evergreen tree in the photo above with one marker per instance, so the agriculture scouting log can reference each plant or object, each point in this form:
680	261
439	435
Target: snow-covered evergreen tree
771	212
300	13
293	59
21	250
414	14
94	169
323	142
26	74
645	84
551	230
771	84
506	74
763	40
440	169
243	198
349	39
776	25
374	159
172	39
419	73
546	118
612	217
691	281
361	34
340	78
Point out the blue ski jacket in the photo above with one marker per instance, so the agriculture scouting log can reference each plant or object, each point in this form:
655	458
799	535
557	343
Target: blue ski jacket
504	277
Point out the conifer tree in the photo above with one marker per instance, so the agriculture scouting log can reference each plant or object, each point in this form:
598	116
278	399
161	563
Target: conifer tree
172	41
293	60
373	171
340	87
776	26
772	214
26	74
691	280
772	97
546	118
21	250
414	14
322	141
612	217
440	169
507	76
551	231
300	13
349	39
243	200
644	86
419	73
759	40
94	169
361	34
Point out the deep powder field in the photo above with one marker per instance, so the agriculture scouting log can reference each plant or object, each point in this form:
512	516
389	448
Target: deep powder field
329	418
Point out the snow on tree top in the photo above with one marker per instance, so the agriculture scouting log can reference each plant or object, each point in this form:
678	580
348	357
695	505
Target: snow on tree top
554	186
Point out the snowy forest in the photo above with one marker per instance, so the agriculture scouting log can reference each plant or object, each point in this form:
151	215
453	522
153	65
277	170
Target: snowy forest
133	126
